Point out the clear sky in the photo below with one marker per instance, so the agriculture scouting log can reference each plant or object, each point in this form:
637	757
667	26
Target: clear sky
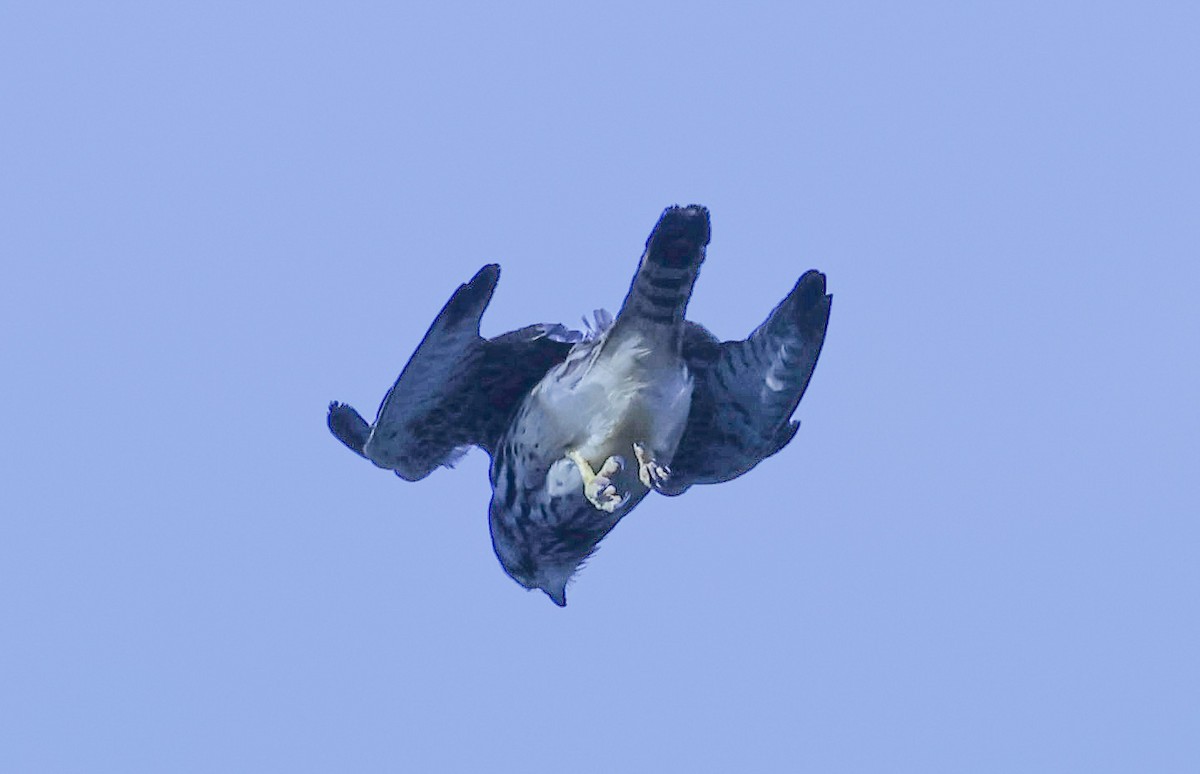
980	554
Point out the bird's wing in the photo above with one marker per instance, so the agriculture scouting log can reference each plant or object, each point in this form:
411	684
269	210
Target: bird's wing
457	390
746	391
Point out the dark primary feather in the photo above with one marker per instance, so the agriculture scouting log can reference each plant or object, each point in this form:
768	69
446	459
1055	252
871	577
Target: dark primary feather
349	427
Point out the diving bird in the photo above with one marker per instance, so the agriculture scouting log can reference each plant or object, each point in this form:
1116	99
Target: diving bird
581	427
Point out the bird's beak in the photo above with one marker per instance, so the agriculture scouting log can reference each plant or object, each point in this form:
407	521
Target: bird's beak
557	595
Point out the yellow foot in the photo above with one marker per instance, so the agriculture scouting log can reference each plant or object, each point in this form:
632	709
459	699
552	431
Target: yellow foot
650	472
598	486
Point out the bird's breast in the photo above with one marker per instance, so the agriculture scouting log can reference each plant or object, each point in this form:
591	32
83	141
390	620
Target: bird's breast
610	394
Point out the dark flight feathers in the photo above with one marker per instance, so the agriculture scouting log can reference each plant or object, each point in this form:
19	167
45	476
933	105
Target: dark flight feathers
746	391
458	389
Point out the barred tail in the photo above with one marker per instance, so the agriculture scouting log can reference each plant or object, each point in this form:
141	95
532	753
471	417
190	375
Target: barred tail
668	269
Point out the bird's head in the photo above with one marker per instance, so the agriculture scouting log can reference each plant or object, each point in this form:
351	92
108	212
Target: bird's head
544	558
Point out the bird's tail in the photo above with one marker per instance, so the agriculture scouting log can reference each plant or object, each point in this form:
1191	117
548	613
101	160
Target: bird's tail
668	269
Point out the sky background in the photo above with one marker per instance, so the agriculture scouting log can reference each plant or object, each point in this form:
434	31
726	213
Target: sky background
981	553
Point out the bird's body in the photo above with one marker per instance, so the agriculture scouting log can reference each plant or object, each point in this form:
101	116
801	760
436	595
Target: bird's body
580	431
606	396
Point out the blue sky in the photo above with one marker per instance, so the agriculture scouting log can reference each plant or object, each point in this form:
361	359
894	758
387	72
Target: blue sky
979	554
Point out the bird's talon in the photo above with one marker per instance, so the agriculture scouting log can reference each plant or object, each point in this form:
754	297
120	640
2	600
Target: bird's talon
598	487
651	472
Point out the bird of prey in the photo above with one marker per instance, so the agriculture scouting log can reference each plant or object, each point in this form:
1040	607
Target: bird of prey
580	428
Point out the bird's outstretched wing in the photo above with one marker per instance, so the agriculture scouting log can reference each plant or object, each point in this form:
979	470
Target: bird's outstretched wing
745	391
457	390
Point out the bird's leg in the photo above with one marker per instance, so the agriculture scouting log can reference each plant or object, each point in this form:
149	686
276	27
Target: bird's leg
598	486
651	472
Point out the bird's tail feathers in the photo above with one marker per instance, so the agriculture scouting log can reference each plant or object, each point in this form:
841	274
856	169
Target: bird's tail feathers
668	269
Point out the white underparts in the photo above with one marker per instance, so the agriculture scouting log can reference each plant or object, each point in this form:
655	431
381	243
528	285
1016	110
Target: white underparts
609	395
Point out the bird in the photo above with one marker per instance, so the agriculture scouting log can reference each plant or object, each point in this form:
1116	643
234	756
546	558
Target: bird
582	426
